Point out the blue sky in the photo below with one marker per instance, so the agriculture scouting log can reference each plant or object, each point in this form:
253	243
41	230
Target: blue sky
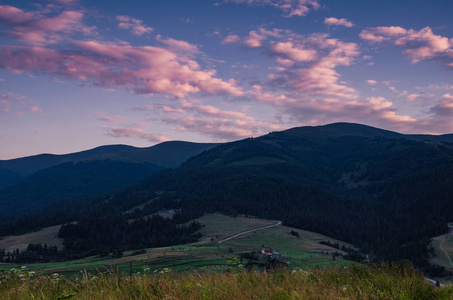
77	74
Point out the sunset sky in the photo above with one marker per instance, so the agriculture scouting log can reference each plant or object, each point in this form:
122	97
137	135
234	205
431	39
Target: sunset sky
76	74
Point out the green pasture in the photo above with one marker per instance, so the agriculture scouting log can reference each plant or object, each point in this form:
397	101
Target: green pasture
302	251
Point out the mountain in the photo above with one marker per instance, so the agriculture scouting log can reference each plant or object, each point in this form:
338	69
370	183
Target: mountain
91	176
167	154
383	191
353	129
14	169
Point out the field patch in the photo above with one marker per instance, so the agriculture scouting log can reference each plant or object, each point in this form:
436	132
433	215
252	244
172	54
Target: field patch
47	236
207	254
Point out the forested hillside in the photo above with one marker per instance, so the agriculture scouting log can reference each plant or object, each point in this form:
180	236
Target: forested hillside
84	174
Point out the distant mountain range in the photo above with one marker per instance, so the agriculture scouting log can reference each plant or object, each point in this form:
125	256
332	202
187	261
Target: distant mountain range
35	182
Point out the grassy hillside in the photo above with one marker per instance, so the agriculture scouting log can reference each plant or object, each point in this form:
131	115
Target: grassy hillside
355	282
206	254
443	249
47	236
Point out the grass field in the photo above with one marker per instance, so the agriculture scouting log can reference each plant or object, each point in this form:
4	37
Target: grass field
206	254
441	258
354	282
45	236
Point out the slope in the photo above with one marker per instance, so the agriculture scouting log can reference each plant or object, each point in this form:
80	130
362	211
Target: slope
93	176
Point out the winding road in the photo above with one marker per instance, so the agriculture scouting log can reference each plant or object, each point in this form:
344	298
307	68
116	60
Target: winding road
248	231
446	238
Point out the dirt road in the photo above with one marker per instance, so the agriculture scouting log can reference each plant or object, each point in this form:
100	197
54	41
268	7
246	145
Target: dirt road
251	230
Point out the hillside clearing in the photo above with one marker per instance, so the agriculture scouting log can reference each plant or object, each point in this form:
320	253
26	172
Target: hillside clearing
47	236
207	254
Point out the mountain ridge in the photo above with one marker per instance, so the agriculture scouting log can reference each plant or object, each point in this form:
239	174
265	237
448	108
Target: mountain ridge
92	175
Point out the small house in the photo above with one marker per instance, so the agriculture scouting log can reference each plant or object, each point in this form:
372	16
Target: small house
267	250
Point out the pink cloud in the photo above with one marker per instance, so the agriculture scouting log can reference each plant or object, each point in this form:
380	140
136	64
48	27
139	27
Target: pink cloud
134	25
36	27
105	118
417	45
338	22
65	2
231	39
381	34
371	82
289	7
6	107
35	109
307	63
168	109
294	52
254	39
178	45
14	96
372	110
423	44
414	97
439	86
445	107
440	119
144	70
129	132
10	101
219	124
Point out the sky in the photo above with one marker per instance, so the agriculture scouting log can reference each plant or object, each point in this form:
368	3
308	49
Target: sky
77	74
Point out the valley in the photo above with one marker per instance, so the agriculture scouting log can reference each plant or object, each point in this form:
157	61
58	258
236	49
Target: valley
302	251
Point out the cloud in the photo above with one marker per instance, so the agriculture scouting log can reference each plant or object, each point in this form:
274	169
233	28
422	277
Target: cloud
222	125
423	44
134	25
5	107
293	52
254	39
290	8
178	45
65	2
131	132
445	107
38	28
417	45
371	82
105	118
377	111
381	34
414	97
14	96
390	85
338	22
439	86
440	119
144	70
231	39
35	109
10	100
306	63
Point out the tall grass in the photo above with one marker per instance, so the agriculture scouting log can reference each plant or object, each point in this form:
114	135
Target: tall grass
354	282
